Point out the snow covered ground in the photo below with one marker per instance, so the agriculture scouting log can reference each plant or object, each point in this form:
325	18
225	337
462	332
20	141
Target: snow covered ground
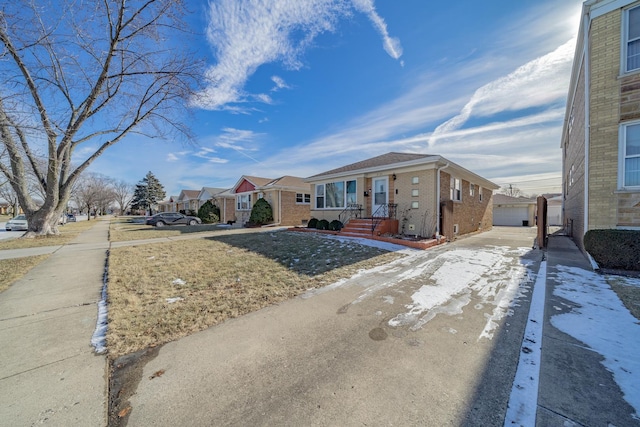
604	324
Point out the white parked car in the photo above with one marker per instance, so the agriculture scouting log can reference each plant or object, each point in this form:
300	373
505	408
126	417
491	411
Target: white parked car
17	223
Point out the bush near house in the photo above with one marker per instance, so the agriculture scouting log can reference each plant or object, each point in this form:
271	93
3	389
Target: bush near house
323	224
335	225
313	222
209	213
614	249
261	213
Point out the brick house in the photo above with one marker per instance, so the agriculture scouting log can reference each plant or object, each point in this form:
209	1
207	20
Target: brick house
188	201
222	198
601	133
289	197
410	191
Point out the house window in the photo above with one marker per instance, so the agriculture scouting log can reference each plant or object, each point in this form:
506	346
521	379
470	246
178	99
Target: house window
456	189
320	196
415	180
352	197
414	205
472	190
303	198
415	192
480	193
335	194
629	152
631	47
243	202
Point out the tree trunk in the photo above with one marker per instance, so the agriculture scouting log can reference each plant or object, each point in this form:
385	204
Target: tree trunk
43	224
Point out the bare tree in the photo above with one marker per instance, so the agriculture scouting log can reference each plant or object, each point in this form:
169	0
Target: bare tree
123	195
95	193
7	193
511	190
84	74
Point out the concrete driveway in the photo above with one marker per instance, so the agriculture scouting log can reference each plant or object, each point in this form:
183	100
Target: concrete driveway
431	339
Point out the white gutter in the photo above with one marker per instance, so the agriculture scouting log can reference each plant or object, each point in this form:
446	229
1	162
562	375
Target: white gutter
587	118
438	198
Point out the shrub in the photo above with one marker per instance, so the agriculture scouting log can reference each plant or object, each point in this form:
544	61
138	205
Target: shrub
313	222
209	213
323	224
615	249
335	225
261	213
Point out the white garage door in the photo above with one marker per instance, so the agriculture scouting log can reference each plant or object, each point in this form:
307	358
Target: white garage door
510	216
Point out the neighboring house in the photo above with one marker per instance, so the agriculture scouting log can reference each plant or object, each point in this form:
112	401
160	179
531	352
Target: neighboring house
514	211
4	208
554	209
412	189
289	197
170	205
601	133
188	201
222	198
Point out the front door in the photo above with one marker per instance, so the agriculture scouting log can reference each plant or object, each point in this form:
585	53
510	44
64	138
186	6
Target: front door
380	195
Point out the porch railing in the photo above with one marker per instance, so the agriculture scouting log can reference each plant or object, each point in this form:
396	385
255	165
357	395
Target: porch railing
386	211
353	210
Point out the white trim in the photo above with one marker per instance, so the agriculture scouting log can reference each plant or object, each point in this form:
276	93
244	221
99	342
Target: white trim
622	150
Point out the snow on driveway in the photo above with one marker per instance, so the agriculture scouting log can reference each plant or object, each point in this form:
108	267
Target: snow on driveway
445	283
603	323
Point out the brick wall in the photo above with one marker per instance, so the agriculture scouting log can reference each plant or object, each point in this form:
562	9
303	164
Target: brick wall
470	214
573	166
294	213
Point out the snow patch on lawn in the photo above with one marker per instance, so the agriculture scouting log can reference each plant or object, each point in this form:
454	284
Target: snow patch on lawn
603	323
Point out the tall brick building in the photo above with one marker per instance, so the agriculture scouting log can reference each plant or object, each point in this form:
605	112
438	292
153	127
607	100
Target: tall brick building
601	134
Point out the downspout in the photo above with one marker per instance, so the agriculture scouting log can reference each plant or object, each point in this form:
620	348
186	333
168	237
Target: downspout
438	198
587	119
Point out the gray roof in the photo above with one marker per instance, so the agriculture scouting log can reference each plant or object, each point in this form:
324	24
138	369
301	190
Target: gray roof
382	160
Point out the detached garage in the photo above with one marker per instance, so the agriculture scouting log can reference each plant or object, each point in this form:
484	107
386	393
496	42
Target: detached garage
513	211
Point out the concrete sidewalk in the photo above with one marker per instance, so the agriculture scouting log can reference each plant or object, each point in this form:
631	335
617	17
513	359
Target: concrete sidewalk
575	389
49	373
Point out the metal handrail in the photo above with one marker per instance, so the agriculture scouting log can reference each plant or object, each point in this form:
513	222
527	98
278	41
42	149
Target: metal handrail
352	210
386	211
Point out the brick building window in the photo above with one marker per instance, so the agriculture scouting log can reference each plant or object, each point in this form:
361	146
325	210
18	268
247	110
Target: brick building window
629	156
480	193
303	198
243	202
631	46
455	192
472	190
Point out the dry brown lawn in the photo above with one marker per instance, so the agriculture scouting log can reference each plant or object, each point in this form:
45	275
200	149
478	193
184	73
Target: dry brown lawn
68	232
13	269
161	292
628	294
123	229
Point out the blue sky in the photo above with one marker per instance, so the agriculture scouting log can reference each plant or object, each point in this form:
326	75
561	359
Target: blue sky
304	86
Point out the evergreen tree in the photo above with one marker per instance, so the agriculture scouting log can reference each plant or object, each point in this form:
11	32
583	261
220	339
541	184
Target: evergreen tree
148	193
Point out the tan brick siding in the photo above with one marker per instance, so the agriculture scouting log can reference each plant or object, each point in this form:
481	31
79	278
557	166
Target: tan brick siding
470	214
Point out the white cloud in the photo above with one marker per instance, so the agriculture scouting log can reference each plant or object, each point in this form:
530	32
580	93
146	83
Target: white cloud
245	34
172	157
537	83
280	83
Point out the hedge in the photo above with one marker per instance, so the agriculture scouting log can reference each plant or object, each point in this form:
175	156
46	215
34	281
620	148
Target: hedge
614	249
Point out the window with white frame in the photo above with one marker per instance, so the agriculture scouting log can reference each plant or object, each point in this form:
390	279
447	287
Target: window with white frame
335	195
456	189
415	192
415	180
472	190
629	156
303	198
415	205
243	202
480	193
631	46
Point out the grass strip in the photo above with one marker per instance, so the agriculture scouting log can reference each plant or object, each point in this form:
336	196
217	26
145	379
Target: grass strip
161	292
15	268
